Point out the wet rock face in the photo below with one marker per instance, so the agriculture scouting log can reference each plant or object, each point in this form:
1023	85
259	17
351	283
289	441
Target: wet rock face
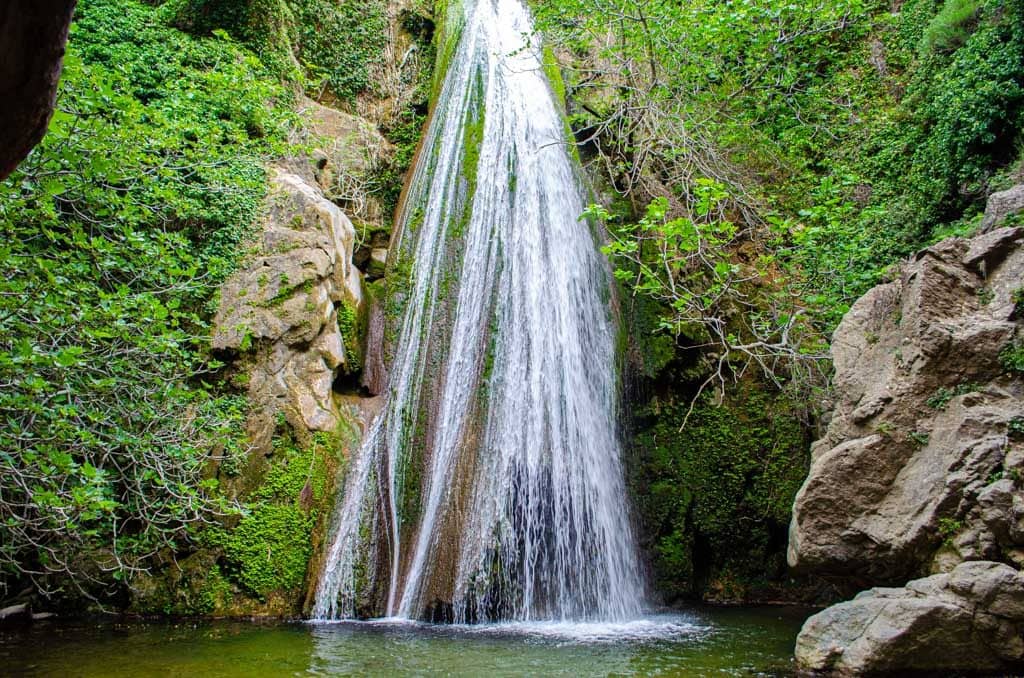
283	308
33	34
921	465
971	618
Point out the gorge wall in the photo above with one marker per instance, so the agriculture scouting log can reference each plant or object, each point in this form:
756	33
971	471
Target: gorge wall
294	323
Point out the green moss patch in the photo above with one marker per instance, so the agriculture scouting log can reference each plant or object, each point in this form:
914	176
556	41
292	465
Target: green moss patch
715	499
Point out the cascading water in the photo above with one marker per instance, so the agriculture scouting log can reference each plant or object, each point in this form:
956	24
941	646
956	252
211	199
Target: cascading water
490	486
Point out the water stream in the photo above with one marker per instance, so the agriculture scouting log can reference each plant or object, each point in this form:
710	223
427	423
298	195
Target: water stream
490	487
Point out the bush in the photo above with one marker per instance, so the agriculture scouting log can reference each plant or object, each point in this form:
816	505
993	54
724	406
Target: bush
925	162
266	26
337	42
116	232
950	27
1012	356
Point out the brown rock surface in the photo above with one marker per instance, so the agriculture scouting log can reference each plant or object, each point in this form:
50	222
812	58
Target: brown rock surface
349	150
1002	205
282	306
922	421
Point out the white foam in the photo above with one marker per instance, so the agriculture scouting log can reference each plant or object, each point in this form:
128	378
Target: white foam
639	630
648	629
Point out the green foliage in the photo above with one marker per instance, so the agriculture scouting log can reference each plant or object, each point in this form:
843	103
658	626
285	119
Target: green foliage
351	328
918	438
820	119
266	26
338	42
1012	356
404	134
923	162
686	266
950	27
949	528
116	231
663	252
941	397
718	496
341	41
1017	296
268	550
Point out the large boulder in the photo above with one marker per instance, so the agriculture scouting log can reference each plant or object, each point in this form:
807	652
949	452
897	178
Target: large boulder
349	154
1003	205
282	309
907	478
971	618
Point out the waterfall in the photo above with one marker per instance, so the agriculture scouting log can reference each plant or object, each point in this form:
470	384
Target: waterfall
490	486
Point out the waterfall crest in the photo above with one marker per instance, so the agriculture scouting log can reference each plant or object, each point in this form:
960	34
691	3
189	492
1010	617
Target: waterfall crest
490	486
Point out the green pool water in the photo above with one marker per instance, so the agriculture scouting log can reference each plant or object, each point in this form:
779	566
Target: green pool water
699	642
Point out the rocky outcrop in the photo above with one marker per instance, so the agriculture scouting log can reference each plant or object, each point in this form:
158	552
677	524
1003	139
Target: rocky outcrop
288	328
921	432
33	34
1003	205
922	469
282	310
971	618
349	149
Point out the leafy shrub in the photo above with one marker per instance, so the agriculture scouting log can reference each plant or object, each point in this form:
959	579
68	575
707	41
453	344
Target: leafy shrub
266	26
856	149
950	27
1016	427
1017	296
343	40
116	232
336	41
949	528
1012	356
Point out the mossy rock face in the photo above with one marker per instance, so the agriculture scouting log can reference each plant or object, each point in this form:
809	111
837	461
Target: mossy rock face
258	563
187	587
714	496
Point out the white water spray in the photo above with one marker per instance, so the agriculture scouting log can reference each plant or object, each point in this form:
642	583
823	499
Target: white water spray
502	392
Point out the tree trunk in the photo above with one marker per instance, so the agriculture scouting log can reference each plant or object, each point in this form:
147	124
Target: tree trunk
33	34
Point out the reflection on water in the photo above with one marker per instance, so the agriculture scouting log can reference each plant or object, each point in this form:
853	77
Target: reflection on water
730	641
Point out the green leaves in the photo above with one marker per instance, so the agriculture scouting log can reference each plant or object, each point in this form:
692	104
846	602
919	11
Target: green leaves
116	231
682	263
69	356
